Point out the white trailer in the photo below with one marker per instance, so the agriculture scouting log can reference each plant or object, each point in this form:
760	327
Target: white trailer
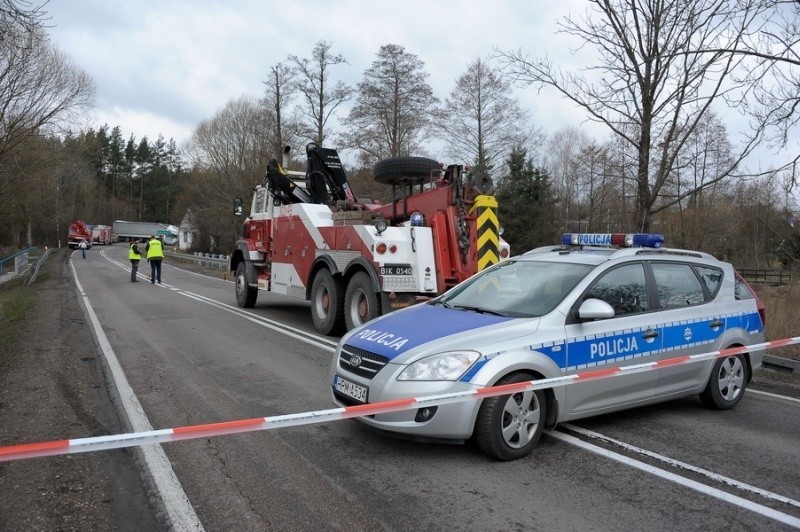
127	231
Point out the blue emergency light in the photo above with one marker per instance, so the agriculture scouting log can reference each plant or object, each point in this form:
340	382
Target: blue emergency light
622	240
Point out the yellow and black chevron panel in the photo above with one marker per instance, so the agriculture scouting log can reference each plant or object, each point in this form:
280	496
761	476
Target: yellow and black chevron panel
487	231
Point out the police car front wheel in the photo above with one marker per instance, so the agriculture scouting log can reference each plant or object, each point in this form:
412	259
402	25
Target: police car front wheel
509	426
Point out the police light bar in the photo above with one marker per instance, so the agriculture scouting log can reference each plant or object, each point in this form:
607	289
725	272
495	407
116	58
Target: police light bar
622	240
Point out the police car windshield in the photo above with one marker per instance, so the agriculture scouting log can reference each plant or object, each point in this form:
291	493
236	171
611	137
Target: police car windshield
517	288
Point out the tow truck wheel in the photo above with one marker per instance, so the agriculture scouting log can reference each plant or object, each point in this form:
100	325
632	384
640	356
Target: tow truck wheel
327	303
509	426
360	301
245	294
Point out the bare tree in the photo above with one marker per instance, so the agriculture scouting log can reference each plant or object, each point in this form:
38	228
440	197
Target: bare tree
645	78
39	88
483	118
280	87
773	71
393	107
321	100
229	155
20	15
563	150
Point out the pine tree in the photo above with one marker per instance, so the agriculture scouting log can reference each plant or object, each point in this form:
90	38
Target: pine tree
525	204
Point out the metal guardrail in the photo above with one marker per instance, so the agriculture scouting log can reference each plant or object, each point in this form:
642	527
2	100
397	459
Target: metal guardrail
14	256
760	275
205	259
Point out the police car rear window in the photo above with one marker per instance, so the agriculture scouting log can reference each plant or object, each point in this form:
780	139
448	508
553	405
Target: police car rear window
711	277
742	290
677	285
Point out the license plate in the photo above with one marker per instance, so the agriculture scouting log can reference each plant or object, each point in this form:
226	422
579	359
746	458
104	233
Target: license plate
350	389
397	269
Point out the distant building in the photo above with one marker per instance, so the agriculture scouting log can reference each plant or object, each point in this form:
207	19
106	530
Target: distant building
187	232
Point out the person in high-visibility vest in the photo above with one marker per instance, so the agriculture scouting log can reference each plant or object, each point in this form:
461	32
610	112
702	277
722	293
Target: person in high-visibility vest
155	254
134	255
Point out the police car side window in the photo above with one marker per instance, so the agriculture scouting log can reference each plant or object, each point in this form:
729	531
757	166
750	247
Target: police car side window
677	285
623	288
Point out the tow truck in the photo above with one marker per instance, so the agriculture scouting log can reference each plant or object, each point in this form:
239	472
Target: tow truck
308	236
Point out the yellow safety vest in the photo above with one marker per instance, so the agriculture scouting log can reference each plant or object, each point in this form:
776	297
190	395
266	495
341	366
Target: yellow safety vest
154	250
132	255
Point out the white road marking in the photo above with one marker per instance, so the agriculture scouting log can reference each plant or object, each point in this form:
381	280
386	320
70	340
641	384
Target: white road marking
179	509
323	342
688	483
773	395
676	463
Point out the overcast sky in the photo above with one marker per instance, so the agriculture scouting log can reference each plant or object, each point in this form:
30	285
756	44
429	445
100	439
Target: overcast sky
163	66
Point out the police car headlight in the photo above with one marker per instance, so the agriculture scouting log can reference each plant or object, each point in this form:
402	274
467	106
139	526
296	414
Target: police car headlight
441	367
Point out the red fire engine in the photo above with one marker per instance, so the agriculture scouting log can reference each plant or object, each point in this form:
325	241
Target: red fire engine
79	231
102	235
309	237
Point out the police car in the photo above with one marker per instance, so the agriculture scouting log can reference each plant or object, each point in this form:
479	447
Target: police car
597	301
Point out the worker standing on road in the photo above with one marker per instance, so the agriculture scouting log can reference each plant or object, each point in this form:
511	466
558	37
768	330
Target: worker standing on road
134	255
155	254
82	246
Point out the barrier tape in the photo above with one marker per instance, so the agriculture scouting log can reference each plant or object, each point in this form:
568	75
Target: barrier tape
117	441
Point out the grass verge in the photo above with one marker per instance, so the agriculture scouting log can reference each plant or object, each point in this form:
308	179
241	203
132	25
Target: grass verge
16	302
782	303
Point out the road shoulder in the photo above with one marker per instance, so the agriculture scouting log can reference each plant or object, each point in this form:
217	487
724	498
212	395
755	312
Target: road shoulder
52	386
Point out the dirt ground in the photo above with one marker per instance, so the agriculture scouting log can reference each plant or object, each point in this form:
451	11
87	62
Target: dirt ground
52	387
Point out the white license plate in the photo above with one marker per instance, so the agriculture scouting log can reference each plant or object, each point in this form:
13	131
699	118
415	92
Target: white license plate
397	269
350	389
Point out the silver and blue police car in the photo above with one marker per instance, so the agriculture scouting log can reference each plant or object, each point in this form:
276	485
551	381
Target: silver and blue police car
596	301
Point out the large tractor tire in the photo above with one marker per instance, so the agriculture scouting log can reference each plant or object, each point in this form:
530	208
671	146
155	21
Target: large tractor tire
411	170
327	303
245	294
360	301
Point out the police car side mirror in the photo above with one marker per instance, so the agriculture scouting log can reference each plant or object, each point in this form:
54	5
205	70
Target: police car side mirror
595	309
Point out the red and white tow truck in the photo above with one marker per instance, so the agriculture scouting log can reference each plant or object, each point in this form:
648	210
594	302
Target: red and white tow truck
309	237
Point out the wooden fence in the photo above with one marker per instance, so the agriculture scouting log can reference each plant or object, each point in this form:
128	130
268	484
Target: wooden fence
760	275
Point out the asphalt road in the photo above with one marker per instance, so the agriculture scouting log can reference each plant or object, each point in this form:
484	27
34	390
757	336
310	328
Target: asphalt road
192	357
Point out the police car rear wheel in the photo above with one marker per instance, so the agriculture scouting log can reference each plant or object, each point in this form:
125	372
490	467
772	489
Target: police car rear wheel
508	427
726	386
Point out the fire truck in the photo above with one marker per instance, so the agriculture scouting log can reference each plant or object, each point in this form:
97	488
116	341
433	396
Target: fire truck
308	236
102	235
78	231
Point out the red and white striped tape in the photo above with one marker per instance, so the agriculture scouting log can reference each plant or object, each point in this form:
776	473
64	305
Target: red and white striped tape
116	441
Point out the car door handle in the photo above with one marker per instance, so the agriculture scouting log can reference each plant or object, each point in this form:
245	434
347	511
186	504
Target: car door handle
650	333
715	323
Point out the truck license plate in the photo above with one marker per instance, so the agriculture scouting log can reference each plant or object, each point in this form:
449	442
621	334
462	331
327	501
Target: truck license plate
396	269
350	389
